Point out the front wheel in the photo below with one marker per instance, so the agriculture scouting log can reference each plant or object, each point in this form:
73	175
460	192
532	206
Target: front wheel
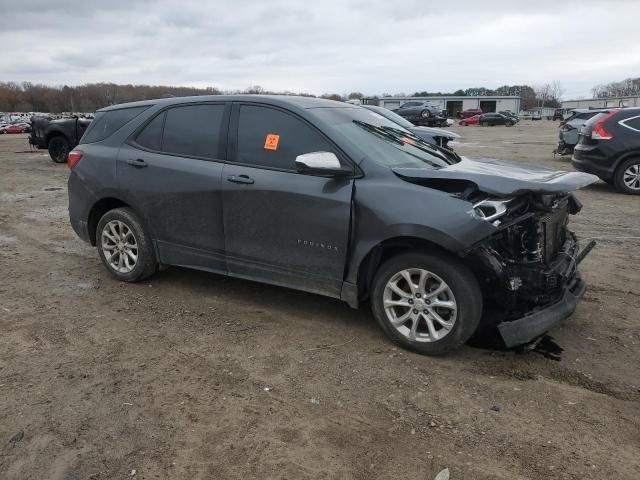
627	176
124	247
485	124
464	124
58	149
509	124
426	303
425	114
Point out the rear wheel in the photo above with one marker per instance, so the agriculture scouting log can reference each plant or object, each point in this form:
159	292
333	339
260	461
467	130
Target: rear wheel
58	149
426	303
627	176
124	247
425	114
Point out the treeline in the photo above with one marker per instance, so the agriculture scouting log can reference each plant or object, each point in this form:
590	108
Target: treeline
625	88
547	95
505	90
30	97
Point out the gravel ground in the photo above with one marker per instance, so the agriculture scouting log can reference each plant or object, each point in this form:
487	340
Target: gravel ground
192	375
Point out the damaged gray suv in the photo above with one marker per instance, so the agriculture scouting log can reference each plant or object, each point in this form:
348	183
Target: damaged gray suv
333	199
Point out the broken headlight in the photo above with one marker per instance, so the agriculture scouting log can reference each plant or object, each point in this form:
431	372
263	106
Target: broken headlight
491	209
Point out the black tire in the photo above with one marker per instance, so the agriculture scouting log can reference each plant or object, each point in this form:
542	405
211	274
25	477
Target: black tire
509	124
425	114
485	124
146	264
58	149
618	176
462	284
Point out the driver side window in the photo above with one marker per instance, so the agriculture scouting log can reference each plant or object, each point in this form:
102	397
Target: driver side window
271	138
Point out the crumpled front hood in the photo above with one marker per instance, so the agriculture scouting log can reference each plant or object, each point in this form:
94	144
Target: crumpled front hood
502	178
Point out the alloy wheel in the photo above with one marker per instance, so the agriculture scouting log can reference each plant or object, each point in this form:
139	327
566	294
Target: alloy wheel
420	305
631	176
119	246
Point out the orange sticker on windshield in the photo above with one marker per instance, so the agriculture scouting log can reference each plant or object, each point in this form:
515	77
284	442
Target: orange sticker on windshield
408	140
271	141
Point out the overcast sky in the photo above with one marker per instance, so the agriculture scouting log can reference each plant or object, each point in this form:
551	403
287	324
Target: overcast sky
322	46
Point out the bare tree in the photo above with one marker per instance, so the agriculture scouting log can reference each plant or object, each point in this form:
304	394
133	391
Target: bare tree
542	93
557	90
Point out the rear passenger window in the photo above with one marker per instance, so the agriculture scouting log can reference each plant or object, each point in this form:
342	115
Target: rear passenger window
151	135
271	138
633	123
107	123
193	130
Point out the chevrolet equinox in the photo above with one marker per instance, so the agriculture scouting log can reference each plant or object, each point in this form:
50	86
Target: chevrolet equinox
333	199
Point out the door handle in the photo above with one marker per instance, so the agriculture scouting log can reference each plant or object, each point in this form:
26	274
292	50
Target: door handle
138	162
240	179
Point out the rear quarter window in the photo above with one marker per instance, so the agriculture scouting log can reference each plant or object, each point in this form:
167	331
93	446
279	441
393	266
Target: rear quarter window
151	136
633	123
588	115
107	123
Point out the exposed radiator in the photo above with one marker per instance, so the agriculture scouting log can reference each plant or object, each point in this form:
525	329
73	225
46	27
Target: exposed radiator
553	228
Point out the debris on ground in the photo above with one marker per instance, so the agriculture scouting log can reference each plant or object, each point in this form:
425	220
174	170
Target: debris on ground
17	437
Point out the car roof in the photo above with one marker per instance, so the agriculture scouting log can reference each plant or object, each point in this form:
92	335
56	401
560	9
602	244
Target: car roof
277	100
630	109
587	110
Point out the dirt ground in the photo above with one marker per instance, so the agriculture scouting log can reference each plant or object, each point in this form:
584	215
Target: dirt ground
192	375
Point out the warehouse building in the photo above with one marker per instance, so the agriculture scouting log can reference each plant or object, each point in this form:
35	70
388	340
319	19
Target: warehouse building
455	104
632	101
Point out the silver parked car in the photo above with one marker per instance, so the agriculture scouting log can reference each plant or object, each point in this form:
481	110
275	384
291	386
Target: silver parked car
569	130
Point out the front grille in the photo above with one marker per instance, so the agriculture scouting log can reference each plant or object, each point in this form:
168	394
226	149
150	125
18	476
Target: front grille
553	232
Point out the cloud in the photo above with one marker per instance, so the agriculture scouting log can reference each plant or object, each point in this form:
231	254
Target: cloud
317	47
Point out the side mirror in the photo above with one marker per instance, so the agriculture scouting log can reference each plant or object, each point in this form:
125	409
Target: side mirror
321	163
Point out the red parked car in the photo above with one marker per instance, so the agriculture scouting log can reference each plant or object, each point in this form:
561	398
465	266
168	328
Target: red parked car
15	129
470	121
470	113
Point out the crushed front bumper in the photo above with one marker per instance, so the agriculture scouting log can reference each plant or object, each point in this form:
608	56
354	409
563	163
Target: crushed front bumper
538	322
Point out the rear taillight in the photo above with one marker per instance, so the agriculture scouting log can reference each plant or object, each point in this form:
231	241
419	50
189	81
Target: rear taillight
73	158
599	132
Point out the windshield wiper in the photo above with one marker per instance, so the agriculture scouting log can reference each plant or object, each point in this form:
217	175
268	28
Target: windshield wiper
402	138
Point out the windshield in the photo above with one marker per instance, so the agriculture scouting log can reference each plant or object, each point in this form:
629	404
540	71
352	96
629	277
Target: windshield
394	117
382	140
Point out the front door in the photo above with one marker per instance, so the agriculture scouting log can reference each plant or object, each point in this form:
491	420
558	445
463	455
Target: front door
171	172
281	226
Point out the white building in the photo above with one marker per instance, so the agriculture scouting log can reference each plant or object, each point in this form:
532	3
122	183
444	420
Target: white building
455	104
602	102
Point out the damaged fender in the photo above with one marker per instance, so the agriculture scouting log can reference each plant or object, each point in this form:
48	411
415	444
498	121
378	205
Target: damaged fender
503	178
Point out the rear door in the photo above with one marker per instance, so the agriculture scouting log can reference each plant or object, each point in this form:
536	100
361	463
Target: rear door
171	170
281	226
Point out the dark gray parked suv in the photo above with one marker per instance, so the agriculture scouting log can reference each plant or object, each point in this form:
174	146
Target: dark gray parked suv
333	199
